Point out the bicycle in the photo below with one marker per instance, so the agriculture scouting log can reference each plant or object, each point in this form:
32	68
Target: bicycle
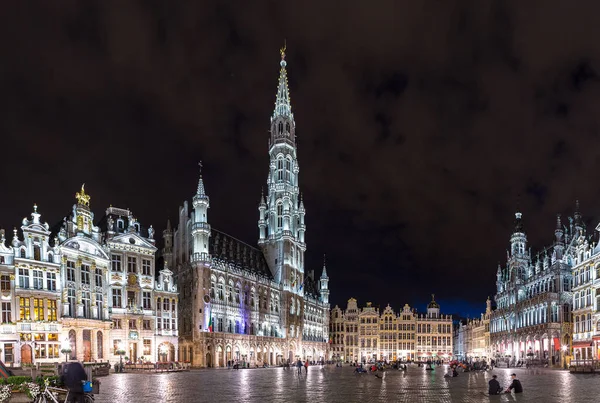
50	394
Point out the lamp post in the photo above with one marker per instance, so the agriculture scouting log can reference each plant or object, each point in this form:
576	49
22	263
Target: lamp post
163	352
66	348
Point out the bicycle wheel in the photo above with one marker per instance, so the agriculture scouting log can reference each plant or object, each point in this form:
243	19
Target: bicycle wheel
89	398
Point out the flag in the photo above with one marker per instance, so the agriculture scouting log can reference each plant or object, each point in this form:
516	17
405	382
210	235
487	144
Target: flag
210	321
302	285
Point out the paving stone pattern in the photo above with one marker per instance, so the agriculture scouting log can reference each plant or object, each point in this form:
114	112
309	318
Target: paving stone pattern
331	384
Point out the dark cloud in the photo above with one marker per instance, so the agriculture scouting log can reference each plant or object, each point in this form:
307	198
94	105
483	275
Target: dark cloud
418	124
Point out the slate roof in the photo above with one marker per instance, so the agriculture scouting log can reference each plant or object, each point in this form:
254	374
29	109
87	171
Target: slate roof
233	251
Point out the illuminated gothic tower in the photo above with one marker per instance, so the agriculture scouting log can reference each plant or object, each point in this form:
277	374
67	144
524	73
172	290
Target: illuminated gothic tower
281	221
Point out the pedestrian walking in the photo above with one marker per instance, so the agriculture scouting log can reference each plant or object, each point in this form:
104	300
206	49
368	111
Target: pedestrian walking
306	366
299	366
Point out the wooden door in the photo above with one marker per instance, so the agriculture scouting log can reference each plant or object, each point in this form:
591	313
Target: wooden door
26	354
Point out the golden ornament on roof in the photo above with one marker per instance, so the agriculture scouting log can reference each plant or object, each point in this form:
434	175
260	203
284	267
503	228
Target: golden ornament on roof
82	198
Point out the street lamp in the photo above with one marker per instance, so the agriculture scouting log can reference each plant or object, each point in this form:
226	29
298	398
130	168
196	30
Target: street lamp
65	348
163	351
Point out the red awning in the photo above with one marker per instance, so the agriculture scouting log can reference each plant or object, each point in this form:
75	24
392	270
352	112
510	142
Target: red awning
596	337
582	344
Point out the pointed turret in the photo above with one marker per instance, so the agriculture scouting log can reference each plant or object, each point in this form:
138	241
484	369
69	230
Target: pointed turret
518	239
167	251
324	283
200	227
262	223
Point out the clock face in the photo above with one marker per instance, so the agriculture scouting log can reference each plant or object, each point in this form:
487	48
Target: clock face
207	299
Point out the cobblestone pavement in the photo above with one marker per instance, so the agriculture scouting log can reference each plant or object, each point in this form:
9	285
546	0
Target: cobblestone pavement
330	384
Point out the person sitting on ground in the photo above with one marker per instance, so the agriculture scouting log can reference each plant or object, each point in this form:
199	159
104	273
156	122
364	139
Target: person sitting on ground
516	385
494	386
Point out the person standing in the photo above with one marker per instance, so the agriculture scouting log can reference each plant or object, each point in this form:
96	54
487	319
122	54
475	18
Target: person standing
299	366
494	386
72	377
306	366
516	385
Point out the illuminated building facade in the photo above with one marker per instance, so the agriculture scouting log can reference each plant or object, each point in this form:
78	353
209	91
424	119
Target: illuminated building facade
370	335
30	287
533	316
143	308
472	339
586	300
63	288
255	305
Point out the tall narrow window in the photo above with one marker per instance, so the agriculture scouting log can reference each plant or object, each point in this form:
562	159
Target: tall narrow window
115	263
51	281
131	264
70	271
279	170
86	300
4	283
100	305
146	298
38	309
146	267
85	274
279	216
24	278
98	277
52	310
36	252
71	301
6	312
117	301
24	308
38	279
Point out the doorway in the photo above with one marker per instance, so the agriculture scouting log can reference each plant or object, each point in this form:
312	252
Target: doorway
208	360
26	354
87	345
133	352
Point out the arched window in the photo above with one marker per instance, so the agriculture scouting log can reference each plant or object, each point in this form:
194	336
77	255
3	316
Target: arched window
100	345
279	169
23	252
280	127
73	344
287	127
220	290
120	224
50	257
36	252
589	322
279	216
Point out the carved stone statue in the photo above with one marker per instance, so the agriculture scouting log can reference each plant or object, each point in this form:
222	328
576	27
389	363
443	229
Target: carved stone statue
151	232
110	223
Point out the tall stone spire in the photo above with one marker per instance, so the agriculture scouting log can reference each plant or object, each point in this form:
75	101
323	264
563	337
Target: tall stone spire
283	106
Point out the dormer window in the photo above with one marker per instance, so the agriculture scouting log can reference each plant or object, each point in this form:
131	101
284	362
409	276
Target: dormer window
120	224
137	227
23	252
36	252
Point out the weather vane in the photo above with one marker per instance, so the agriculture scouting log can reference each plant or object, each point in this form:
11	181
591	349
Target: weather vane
200	165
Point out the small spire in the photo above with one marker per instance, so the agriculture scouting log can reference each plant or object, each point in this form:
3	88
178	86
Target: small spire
301	202
577	216
169	224
34	208
200	191
262	197
518	221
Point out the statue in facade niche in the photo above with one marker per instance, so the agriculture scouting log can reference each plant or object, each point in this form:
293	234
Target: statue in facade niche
110	223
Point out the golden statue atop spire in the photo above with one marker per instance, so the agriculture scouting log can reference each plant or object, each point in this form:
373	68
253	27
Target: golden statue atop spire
82	198
282	50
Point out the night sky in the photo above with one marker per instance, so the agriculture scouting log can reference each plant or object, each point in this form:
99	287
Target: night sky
421	125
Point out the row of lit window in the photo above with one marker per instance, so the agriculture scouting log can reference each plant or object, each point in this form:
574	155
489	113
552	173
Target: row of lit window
116	264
